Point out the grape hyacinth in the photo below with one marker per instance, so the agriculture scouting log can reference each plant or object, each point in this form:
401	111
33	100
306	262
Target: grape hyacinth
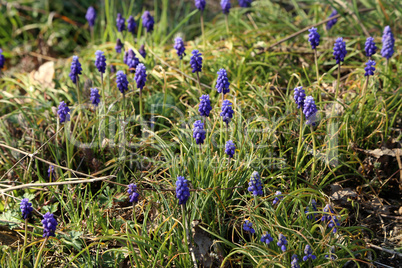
388	42
75	69
255	185
120	23
245	3
148	21
91	16
222	84
182	190
278	197
132	191
26	208
314	38
205	106
119	45
369	69
198	132
294	261
2	59
142	51
196	61
227	112
332	219
230	148
131	60
200	4
225	5
179	46
49	224
131	25
282	242
299	96
309	253
314	206
331	255
310	110
100	61
266	238
121	81
333	21
248	226
140	76
63	112
95	97
339	50
370	47
51	173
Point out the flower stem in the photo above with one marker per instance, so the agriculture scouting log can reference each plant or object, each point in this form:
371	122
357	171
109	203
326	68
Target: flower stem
227	23
300	141
25	243
141	119
78	90
40	252
337	82
314	153
199	83
318	74
202	28
187	236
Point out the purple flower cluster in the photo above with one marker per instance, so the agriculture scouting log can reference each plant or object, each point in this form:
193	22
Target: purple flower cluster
314	207
75	69
369	69
331	255
370	47
100	61
282	242
299	96
119	45
140	76
278	197
222	84
131	60
120	23
248	226
196	61
227	111
388	42
49	224
132	191
179	46
205	105
2	59
255	185
182	190
245	3
309	253
200	4
131	25
121	81
225	5
266	238
310	110
314	38
198	132
142	51
91	16
148	21
63	112
333	21
330	218
95	97
51	173
230	148
339	50
294	261
26	208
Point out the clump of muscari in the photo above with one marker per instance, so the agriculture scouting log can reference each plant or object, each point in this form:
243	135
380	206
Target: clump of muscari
75	69
294	261
140	76
205	106
196	61
121	81
198	132
131	25
132	191
225	5
248	226
309	253
90	16
63	112
182	190
2	59
255	185
314	206
339	50
245	3
299	96
330	218
310	110
131	60
278	197
200	4
230	148
369	69
388	42
119	45
333	21
227	112
142	51
370	47
95	97
179	46
51	173
120	23
26	208
282	242
148	21
222	83
314	38
100	61
266	238
49	224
